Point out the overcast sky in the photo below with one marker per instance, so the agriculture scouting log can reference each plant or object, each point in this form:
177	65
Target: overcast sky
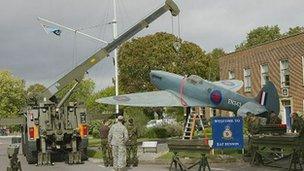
29	53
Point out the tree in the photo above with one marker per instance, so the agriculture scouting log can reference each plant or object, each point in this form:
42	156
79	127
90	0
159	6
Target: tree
96	108
82	93
266	33
33	93
214	55
12	94
260	35
156	52
294	30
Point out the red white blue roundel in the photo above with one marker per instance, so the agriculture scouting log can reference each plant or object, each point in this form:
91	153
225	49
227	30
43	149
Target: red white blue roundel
216	97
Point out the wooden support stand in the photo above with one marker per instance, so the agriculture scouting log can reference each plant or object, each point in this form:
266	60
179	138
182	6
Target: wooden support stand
278	145
197	145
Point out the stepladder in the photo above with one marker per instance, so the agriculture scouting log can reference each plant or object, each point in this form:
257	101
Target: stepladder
193	123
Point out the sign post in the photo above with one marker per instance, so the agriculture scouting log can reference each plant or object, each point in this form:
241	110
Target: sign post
227	132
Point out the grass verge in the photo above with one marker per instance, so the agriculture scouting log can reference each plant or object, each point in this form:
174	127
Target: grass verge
94	153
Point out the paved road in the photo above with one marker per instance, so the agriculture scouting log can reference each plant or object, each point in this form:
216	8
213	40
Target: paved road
92	166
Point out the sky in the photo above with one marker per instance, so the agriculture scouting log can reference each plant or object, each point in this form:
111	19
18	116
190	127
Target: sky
31	54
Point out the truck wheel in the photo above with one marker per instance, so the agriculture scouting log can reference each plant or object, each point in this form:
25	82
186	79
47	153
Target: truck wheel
84	154
31	157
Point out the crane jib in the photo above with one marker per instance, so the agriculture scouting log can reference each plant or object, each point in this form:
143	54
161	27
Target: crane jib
77	73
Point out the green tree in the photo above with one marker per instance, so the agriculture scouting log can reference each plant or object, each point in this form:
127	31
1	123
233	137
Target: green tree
260	35
160	51
97	108
33	93
294	30
156	52
82	93
12	94
214	70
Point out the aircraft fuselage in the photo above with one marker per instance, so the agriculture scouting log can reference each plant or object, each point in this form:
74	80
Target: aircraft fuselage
199	89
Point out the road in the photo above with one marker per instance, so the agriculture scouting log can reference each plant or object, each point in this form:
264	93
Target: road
90	165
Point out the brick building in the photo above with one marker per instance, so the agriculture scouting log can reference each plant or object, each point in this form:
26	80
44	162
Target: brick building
280	61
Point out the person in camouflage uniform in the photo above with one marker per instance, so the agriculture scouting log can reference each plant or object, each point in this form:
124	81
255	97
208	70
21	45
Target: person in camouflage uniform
274	118
253	124
118	137
106	150
132	144
298	124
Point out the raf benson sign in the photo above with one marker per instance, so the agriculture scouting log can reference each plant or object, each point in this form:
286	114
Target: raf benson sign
227	132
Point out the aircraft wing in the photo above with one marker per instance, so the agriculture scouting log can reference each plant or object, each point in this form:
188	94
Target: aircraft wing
233	85
163	98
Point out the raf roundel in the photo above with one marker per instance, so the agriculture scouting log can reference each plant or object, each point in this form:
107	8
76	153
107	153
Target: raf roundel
216	97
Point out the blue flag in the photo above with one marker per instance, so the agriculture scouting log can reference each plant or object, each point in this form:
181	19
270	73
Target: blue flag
49	29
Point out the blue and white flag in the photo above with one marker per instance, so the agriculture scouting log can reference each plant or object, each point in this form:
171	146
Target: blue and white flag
50	29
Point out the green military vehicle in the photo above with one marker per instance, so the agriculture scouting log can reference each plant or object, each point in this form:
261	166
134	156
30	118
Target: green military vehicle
55	125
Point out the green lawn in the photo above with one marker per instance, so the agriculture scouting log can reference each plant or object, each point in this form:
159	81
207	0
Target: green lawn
94	153
94	142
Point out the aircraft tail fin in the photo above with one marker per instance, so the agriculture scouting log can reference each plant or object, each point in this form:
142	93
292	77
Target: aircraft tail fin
268	97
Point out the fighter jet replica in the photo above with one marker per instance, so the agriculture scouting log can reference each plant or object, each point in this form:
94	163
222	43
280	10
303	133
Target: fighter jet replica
193	91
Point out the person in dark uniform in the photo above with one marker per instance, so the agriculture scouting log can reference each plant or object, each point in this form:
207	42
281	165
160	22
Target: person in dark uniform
132	144
297	124
274	118
106	150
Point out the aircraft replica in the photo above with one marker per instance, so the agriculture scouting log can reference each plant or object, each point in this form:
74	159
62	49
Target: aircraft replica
193	91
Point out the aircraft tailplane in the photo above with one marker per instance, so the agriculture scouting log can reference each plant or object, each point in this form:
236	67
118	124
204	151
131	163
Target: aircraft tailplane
268	97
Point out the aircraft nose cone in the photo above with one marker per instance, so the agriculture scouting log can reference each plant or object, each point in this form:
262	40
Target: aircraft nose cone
155	74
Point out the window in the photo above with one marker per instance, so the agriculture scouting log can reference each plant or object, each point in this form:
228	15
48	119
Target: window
203	112
231	75
284	68
264	74
247	80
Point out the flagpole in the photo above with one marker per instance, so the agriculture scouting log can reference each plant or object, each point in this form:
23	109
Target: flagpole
114	23
69	29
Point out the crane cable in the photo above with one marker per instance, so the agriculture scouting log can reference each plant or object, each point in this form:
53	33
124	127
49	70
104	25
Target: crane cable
178	42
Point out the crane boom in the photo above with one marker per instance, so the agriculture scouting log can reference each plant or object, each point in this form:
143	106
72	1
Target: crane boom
78	72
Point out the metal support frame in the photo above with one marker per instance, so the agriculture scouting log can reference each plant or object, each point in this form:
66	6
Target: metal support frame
202	163
14	164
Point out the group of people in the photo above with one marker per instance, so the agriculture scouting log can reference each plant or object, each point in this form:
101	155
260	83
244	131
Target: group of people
119	143
253	122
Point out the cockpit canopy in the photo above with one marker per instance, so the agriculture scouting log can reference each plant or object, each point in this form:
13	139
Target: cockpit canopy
194	79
